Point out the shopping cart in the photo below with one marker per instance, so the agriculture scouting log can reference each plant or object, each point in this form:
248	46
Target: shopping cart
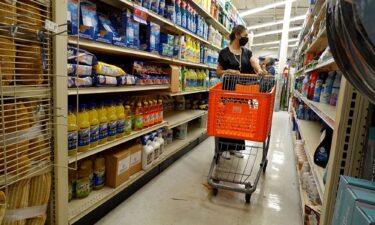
240	108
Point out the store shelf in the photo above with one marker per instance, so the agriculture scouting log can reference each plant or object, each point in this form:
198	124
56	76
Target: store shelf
211	20
80	207
187	92
310	134
110	144
162	21
97	47
300	71
325	111
177	118
320	43
101	90
326	66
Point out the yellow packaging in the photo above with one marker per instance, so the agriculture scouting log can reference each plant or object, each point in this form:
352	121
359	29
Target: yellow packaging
108	70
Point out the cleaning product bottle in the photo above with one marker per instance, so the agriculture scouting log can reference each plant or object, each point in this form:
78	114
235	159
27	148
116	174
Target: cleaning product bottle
162	7
305	85
156	145
183	13
103	126
120	112
195	79
72	132
99	172
335	89
327	88
128	120
188	49
178	13
84	129
94	125
187	9
161	142
182	47
138	123
147	153
112	124
313	77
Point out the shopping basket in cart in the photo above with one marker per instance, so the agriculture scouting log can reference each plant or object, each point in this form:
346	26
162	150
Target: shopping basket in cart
241	108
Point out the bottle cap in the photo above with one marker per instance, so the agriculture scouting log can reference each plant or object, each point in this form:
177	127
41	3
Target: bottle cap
92	104
82	106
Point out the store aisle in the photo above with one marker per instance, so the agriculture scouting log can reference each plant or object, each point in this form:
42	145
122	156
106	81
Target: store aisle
180	196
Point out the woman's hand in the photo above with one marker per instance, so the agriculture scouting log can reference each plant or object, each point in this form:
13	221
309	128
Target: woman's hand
261	72
233	72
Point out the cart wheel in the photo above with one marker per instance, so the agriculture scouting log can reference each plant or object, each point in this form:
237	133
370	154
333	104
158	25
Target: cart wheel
215	191
248	197
265	166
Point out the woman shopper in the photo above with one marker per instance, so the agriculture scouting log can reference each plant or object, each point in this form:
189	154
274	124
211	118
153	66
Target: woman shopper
233	61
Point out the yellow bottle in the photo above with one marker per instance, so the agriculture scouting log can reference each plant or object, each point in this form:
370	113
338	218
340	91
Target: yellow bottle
128	120
103	126
120	111
94	125
84	129
72	132
112	118
138	121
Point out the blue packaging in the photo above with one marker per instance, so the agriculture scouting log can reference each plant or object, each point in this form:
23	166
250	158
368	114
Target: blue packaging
170	50
167	38
84	57
162	7
178	13
89	21
146	4
164	48
170	12
139	2
120	27
72	15
183	15
364	214
351	188
132	30
155	6
106	31
153	37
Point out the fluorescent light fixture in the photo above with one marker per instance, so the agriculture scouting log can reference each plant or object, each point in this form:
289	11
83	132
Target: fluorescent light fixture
276	22
262	8
273	42
276	47
276	31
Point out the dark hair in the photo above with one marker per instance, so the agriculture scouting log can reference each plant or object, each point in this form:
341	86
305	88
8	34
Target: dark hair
272	61
236	30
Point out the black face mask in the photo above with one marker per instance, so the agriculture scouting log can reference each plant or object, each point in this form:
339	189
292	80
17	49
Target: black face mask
243	41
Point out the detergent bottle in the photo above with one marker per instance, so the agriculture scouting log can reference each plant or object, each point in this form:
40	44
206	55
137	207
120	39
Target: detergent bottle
94	125
84	129
120	112
72	132
147	153
103	123
112	124
156	145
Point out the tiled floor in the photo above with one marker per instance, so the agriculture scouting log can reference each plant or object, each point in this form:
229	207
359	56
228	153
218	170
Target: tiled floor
181	196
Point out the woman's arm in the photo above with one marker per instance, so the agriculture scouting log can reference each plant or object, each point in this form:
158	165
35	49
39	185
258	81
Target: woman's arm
220	71
254	63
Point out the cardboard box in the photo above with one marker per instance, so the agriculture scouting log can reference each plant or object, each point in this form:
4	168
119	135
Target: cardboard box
344	192
135	159
364	214
174	73
117	167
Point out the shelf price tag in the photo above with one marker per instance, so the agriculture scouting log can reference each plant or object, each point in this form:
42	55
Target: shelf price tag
140	14
51	26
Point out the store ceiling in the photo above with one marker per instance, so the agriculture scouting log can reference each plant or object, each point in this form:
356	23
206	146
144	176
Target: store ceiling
299	8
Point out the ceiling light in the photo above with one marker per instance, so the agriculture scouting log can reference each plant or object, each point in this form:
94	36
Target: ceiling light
273	42
276	22
276	31
262	8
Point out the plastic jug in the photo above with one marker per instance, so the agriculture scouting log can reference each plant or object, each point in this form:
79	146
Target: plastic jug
161	141
72	132
84	129
147	153
94	125
156	145
112	124
120	112
103	123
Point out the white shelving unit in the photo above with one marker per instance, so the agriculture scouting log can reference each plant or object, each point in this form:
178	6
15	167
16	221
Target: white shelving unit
325	66
80	207
177	118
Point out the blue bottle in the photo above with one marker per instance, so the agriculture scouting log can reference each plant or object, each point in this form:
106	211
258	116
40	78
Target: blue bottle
178	12
196	23
162	7
188	17
183	14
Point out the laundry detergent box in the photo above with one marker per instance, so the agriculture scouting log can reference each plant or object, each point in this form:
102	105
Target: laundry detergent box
364	214
153	37
164	49
351	190
132	30
88	27
119	24
106	30
72	15
167	39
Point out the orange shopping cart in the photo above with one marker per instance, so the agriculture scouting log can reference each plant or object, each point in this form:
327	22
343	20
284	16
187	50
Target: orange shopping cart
240	108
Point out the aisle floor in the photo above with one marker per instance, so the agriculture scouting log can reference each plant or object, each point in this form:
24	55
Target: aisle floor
181	196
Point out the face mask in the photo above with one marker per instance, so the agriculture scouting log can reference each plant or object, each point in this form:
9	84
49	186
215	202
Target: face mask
243	41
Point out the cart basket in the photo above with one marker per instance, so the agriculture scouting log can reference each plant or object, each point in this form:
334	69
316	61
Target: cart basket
241	107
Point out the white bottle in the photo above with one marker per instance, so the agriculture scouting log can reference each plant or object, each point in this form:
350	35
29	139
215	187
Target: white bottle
147	153
161	141
156	146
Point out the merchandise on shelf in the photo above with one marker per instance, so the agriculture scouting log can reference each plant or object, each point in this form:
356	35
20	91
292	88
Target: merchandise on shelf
321	155
335	89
